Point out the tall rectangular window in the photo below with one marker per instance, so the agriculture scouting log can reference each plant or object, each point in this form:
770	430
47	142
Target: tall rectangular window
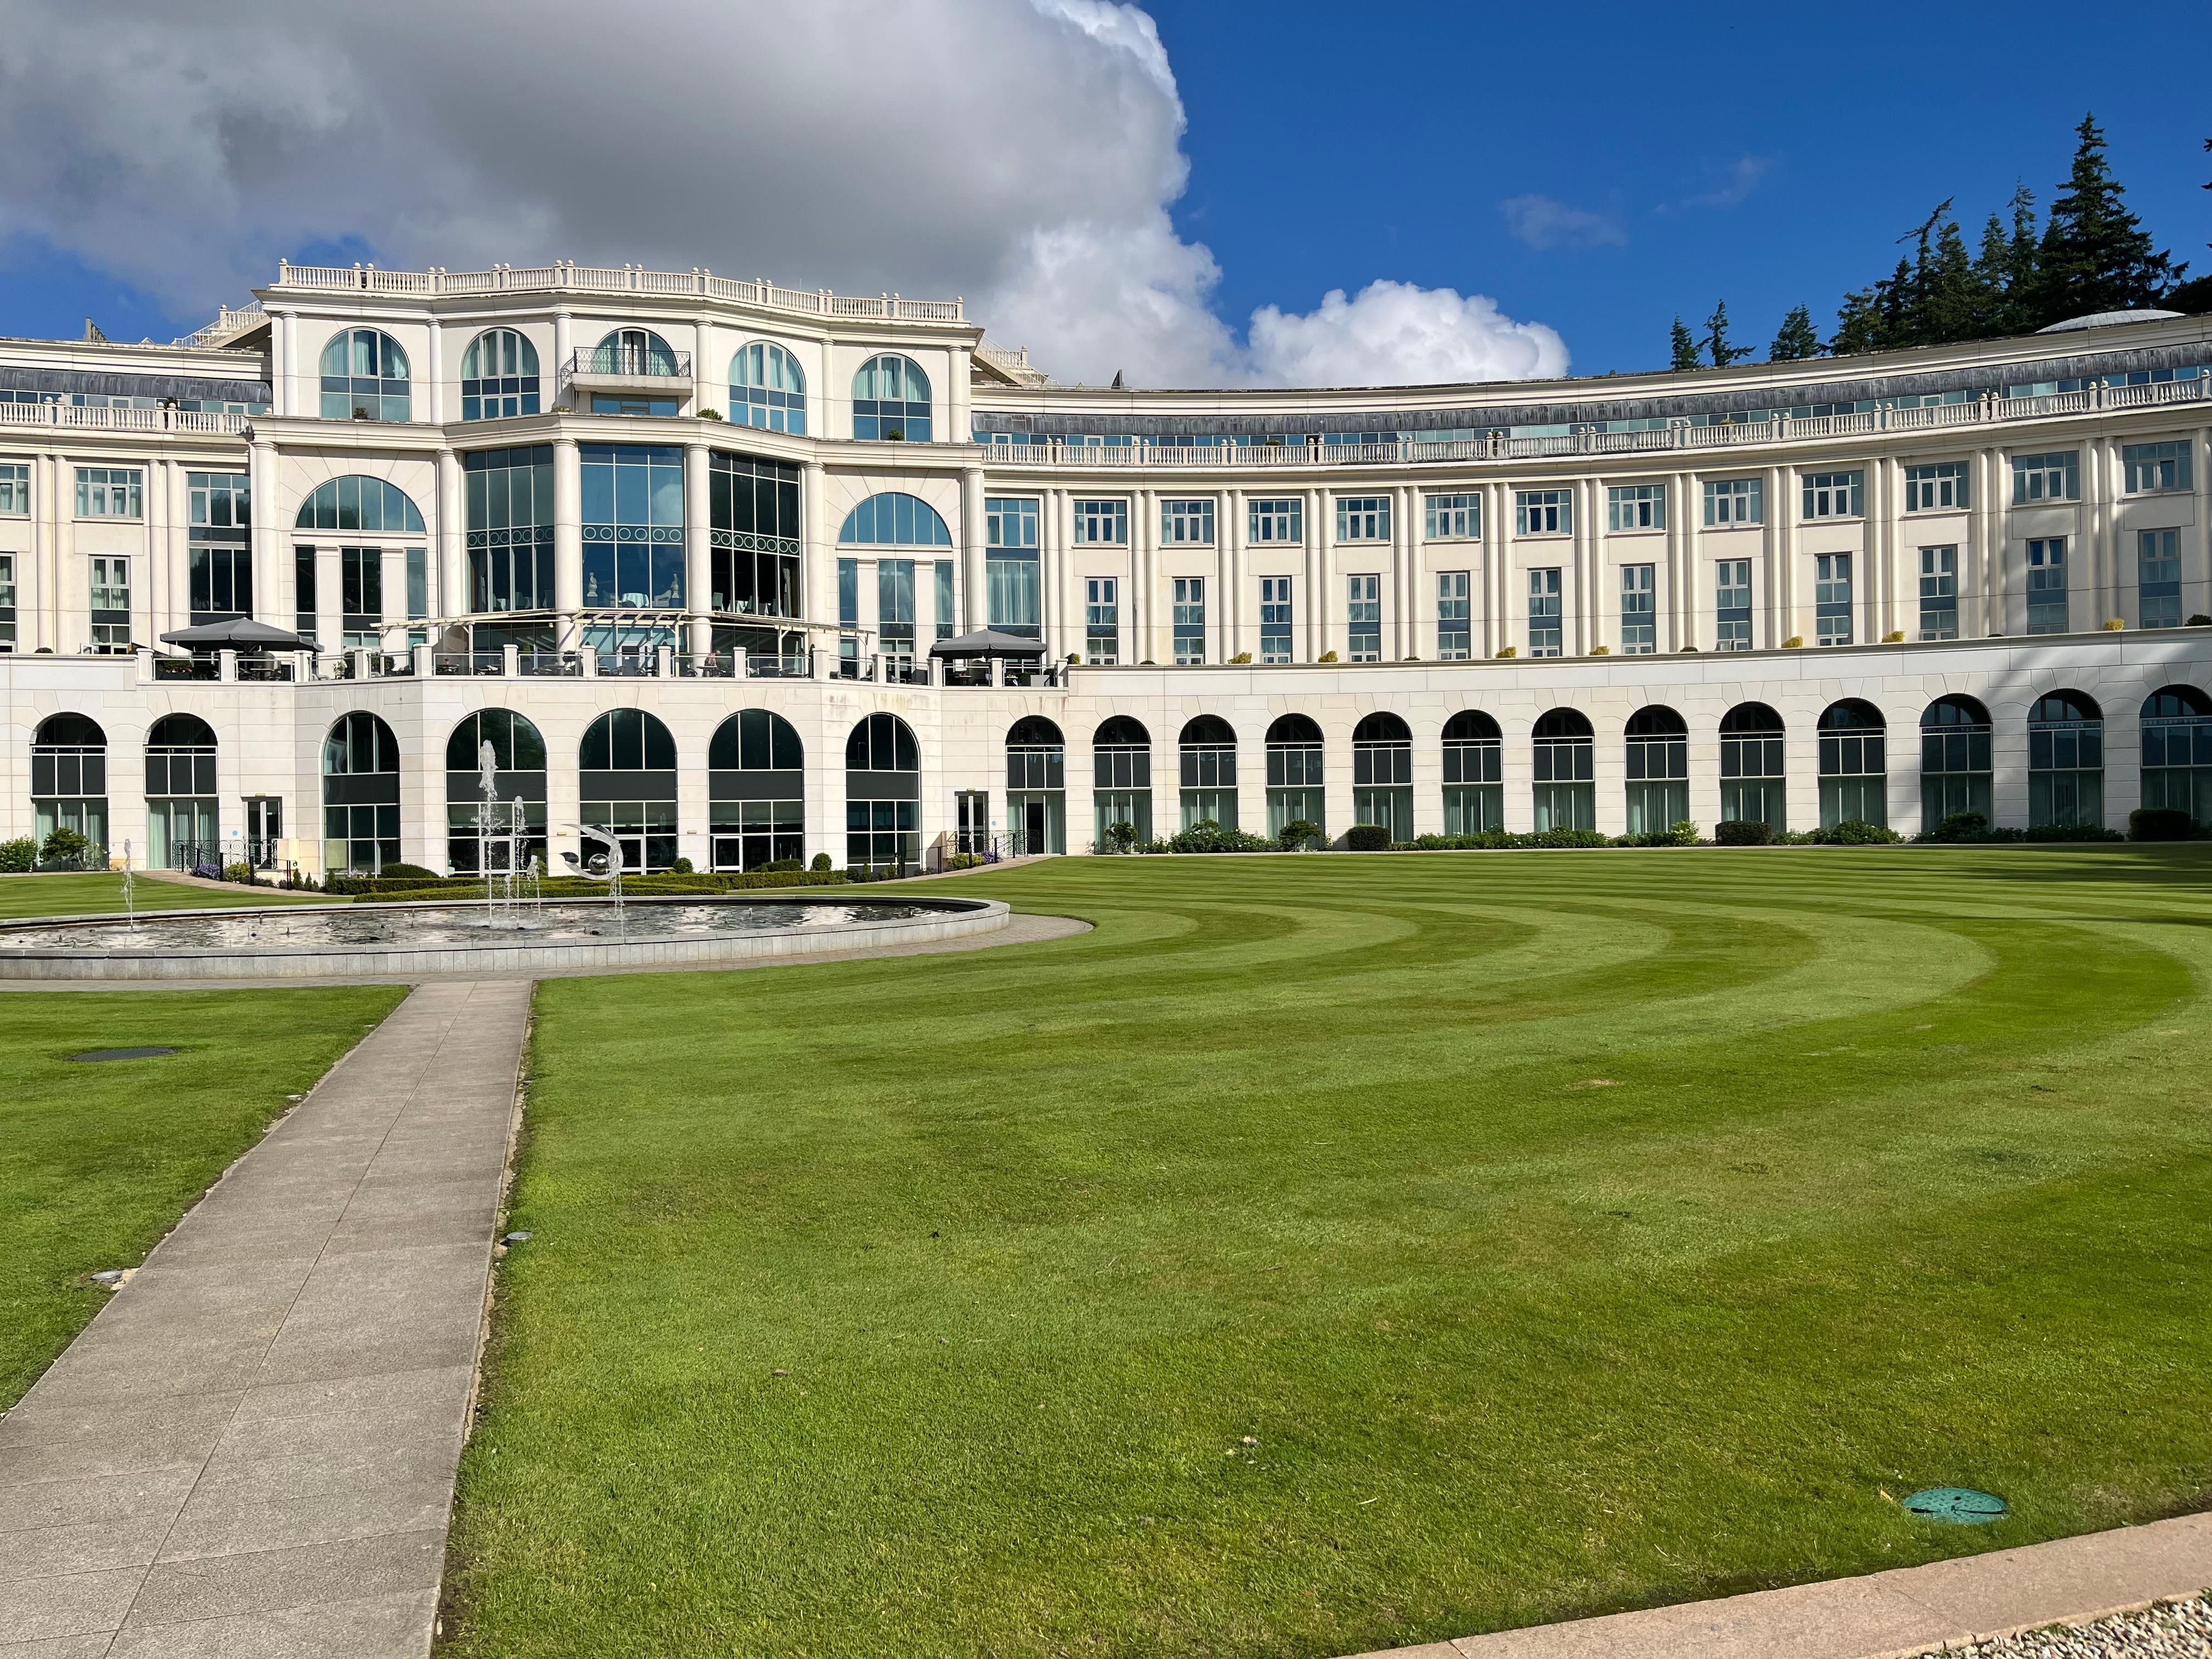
633	513
1544	626
111	604
1102	621
1275	520
361	585
7	602
1187	524
304	604
1453	518
1275	618
1190	619
1454	621
1543	513
1102	524
894	608
2158	577
1735	501
2046	477
1639	618
221	562
510	528
1364	618
1940	487
848	617
945	623
1363	518
419	584
1011	572
1010	523
1939	593
2153	467
109	492
752	529
1732	604
15	487
1832	598
2046	585
1635	507
1833	495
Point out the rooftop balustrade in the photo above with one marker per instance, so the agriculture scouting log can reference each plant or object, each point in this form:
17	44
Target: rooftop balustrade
627	279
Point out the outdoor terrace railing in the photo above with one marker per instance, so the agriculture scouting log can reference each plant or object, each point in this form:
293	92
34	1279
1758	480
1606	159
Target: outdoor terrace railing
93	417
631	362
1678	436
628	279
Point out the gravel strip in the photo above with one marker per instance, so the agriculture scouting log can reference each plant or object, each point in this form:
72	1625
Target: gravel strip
2172	1630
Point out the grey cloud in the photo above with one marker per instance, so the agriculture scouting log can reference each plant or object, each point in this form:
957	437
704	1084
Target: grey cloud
1544	224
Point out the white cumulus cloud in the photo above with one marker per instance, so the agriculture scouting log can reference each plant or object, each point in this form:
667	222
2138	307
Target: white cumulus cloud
1024	154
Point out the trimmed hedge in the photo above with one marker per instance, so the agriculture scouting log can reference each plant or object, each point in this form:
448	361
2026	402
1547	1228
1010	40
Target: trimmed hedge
1744	832
1971	829
1367	838
2160	824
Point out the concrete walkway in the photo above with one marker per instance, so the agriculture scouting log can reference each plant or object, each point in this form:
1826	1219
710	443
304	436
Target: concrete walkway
251	1450
1885	1615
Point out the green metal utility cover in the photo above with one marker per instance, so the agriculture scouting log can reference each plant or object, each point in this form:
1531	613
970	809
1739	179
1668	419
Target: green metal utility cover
1960	1505
123	1053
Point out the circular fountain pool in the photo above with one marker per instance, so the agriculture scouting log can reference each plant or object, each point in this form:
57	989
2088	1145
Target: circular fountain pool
398	940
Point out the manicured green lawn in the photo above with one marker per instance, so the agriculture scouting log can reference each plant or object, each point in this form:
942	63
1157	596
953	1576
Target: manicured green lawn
98	1160
1331	1252
87	894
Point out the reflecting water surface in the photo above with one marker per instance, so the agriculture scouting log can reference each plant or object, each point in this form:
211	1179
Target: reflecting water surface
440	924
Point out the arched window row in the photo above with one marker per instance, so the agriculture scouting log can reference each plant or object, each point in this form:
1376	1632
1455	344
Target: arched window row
356	502
767	389
364	377
893	519
891	400
499	376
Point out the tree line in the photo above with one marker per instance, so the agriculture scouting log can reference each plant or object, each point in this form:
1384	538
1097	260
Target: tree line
2091	254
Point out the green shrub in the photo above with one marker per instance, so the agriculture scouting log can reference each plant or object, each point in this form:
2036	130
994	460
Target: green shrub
240	872
65	850
1122	837
1958	826
2160	824
1298	834
1682	833
821	864
1744	832
407	873
778	866
18	856
681	867
2069	832
1857	832
1367	838
1207	836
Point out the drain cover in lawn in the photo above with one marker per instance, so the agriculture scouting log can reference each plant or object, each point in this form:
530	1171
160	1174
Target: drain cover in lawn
123	1053
1961	1505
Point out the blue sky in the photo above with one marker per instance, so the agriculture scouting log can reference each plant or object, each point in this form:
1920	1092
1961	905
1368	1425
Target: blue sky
1332	145
1596	169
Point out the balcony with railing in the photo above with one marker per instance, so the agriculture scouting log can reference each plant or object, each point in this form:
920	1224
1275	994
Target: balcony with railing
93	417
1677	437
567	276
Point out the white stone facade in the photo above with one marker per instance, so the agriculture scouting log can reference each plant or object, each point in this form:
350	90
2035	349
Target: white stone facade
2126	409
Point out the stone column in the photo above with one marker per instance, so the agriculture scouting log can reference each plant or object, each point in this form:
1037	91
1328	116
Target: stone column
698	545
264	472
1234	630
451	597
1140	577
1496	504
1326	628
568	543
818	561
1312	603
435	404
975	605
1779	601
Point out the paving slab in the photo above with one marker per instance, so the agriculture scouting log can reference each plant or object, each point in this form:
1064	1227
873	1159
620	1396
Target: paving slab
1885	1615
251	1450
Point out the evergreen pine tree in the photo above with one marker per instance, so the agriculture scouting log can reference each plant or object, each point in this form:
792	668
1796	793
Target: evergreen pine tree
2095	254
1716	340
1796	340
1685	348
1993	279
2193	298
1953	304
1896	308
1858	324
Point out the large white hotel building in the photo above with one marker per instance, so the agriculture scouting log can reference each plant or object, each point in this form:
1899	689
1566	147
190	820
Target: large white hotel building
679	547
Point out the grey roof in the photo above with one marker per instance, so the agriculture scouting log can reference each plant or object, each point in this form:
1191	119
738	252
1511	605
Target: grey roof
2107	318
195	388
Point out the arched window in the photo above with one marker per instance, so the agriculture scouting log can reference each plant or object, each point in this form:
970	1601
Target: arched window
1121	778
628	786
356	502
499	376
2066	761
893	518
1475	788
183	828
883	796
69	783
365	377
633	352
2177	751
1566	754
482	834
1208	745
1037	787
757	791
891	400
1854	764
1294	790
1658	770
1954	760
1382	774
767	389
361	795
1752	741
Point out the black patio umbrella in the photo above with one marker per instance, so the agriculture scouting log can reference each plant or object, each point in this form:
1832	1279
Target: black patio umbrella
988	642
239	633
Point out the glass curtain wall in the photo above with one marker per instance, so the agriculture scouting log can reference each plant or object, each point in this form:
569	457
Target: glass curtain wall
1565	777
755	557
2065	761
183	827
1854	764
360	796
68	780
1954	760
1658	770
1209	772
627	786
1753	745
482	833
1037	787
1122	779
756	791
1294	790
1382	774
1474	787
633	534
883	797
2177	751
